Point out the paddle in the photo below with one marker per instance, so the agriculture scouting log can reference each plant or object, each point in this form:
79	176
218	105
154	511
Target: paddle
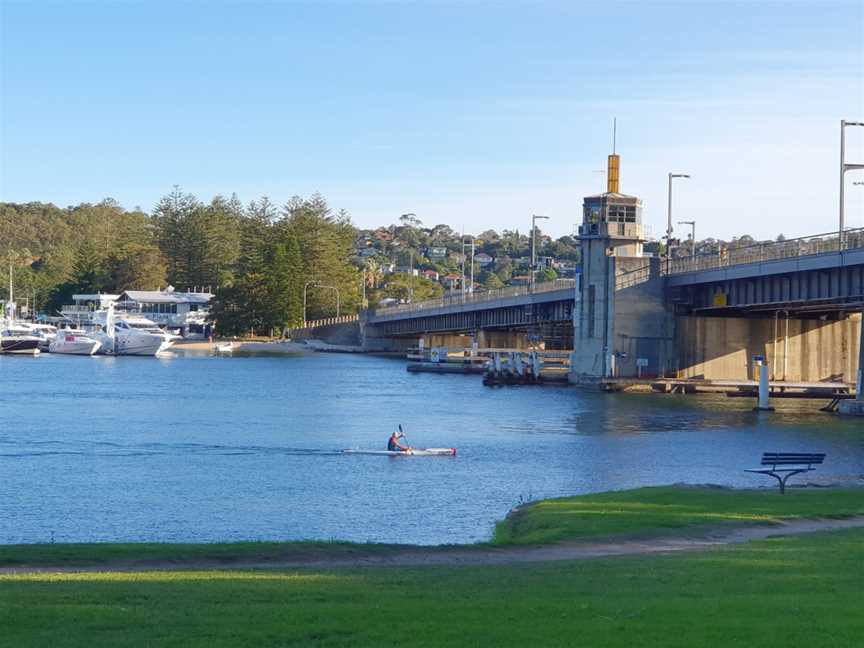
403	435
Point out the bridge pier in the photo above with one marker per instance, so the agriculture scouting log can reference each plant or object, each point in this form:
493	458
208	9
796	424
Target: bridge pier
856	407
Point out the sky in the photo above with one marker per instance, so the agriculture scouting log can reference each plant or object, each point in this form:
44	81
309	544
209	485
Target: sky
474	114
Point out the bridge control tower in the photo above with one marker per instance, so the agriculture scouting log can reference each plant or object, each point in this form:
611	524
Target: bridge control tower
620	325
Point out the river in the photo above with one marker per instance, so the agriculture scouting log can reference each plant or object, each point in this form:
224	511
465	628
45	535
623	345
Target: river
205	449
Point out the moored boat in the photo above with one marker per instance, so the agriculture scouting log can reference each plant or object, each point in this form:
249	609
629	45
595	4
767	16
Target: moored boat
19	341
74	342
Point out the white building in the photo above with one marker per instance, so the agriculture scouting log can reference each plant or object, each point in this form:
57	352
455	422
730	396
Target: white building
170	308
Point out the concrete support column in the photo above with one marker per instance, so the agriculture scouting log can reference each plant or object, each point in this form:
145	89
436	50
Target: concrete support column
859	393
856	407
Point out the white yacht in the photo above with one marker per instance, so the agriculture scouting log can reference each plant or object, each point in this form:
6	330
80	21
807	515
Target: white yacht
122	337
16	338
74	342
45	332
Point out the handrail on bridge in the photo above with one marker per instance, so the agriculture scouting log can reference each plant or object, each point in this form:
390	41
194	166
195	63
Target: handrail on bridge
459	298
770	251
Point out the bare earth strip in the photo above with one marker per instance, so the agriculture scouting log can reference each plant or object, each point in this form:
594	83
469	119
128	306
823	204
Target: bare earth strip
485	555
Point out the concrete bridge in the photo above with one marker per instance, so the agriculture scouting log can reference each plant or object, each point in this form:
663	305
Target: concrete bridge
495	318
809	276
795	302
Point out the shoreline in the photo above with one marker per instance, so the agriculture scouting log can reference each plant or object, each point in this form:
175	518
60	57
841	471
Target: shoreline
718	517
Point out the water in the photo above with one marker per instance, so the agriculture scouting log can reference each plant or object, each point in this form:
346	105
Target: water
216	449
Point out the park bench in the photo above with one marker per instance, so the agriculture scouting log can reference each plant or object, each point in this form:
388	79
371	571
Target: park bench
785	464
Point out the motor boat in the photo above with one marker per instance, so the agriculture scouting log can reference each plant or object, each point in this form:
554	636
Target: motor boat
17	338
122	337
45	332
129	340
74	342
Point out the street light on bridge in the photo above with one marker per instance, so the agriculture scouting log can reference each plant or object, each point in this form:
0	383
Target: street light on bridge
669	216
692	224
534	218
843	169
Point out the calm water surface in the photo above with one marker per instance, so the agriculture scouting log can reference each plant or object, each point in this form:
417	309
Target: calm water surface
213	449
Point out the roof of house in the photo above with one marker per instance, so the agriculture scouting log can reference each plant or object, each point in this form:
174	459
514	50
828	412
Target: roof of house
165	297
90	297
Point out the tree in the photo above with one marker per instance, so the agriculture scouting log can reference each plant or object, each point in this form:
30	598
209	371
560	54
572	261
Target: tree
137	266
404	287
286	284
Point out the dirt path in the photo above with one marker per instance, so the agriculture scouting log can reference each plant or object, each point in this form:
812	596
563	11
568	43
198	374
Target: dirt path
456	556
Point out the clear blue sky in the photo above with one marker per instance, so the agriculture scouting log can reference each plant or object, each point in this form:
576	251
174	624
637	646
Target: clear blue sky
470	113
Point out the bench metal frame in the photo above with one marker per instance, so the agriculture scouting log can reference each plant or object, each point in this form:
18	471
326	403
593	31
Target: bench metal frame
790	463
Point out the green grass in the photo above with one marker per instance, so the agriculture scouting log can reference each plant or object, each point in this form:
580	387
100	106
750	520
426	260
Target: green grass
669	510
802	590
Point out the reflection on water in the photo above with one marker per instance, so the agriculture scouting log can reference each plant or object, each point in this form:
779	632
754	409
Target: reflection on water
209	449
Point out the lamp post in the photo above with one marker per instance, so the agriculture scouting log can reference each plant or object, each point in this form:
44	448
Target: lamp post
315	283
692	224
411	262
669	217
534	218
471	273
843	169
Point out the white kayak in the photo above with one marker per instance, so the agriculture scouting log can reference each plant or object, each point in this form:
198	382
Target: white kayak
413	452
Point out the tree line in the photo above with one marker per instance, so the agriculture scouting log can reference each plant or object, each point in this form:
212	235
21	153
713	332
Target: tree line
256	257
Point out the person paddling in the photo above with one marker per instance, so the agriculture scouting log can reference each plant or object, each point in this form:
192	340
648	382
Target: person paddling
394	445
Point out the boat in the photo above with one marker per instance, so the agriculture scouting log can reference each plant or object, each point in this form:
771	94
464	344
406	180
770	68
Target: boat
14	337
123	337
413	452
74	342
45	332
224	348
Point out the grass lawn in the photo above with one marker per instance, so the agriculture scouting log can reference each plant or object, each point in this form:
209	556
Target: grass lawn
669	510
804	590
776	592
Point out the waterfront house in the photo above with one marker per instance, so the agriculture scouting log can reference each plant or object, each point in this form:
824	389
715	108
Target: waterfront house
185	311
430	274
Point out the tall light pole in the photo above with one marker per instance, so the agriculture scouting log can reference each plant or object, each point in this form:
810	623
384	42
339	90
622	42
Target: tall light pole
692	225
411	263
411	277
843	169
471	273
669	229
534	218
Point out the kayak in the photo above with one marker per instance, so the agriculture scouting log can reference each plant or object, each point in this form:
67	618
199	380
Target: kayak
414	452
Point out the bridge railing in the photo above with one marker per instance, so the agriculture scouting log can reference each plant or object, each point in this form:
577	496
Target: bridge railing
329	321
770	251
459	298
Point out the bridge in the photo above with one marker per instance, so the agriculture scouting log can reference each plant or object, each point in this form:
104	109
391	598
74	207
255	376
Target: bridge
547	305
811	276
702	316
